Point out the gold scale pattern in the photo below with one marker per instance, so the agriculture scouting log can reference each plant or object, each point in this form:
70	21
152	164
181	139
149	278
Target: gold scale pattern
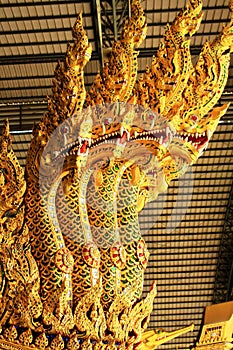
72	273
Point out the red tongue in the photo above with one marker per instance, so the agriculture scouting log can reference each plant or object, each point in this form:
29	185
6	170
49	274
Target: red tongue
83	147
123	137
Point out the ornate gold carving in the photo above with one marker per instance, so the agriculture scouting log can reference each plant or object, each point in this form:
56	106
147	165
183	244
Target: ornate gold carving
120	72
64	260
91	255
19	281
81	286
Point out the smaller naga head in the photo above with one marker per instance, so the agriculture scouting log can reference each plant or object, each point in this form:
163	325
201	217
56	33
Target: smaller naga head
193	130
189	19
135	29
67	145
81	46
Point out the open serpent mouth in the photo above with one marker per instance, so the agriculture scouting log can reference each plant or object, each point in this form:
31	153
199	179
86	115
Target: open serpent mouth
197	140
81	146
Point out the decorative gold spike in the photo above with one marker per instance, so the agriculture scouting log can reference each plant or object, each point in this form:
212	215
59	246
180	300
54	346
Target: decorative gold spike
57	343
154	338
10	333
5	140
26	337
41	341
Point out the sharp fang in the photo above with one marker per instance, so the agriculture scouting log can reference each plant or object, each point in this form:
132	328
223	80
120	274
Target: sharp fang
186	139
161	140
168	134
128	135
89	142
197	135
135	134
122	130
209	134
80	140
104	129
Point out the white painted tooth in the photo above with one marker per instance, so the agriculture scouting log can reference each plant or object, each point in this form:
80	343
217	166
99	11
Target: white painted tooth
196	134
209	134
170	136
186	139
103	128
128	135
89	142
161	140
152	124
122	130
135	134
80	140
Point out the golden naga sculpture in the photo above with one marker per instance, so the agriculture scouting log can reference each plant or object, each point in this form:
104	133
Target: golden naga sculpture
72	256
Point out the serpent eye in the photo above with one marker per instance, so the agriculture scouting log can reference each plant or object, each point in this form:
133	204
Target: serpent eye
65	129
194	117
107	121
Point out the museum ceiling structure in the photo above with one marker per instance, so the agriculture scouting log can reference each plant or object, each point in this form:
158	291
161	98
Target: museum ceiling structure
189	230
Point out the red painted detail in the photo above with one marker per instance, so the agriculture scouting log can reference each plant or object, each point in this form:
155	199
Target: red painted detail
123	137
83	147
